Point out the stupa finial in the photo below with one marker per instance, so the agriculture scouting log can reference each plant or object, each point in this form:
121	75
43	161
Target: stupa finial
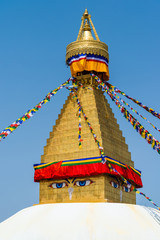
85	12
83	54
85	29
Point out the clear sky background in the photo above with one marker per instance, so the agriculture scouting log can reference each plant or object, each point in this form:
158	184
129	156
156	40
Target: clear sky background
33	39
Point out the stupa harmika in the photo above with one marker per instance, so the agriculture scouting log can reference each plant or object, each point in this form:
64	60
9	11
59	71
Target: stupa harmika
80	198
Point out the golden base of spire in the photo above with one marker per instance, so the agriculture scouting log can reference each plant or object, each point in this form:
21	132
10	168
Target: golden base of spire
87	46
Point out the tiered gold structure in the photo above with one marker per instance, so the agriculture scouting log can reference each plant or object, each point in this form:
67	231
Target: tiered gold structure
63	141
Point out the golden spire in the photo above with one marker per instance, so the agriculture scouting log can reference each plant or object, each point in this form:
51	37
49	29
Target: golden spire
85	42
87	46
85	29
86	32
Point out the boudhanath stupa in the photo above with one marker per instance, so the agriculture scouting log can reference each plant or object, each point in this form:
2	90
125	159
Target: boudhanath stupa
86	166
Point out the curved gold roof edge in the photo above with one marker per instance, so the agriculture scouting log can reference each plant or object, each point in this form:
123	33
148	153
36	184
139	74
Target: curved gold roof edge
88	46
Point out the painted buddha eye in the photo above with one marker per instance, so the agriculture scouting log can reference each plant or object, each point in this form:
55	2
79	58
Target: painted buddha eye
83	183
114	184
126	189
59	185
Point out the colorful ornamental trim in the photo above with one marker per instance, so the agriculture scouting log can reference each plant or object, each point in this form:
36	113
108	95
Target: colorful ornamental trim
88	57
88	62
86	167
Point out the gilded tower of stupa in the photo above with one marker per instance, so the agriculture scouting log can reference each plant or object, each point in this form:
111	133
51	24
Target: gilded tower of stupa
74	173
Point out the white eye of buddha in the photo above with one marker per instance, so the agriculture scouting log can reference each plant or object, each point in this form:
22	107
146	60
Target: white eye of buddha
114	184
126	189
59	185
83	183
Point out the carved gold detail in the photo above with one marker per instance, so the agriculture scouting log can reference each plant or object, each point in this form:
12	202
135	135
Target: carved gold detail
87	46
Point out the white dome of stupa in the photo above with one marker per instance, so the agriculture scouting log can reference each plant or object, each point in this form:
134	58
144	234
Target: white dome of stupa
83	221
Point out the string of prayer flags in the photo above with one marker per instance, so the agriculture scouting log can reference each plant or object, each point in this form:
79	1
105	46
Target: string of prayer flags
90	127
79	128
150	110
31	112
138	192
79	115
101	150
129	185
137	126
134	122
135	111
133	188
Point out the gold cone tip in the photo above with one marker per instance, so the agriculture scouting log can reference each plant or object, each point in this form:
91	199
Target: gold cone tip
86	25
85	14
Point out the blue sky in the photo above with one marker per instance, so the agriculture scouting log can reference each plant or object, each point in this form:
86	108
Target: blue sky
34	36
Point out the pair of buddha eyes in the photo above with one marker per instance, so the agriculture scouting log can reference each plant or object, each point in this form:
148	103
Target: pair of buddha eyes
117	185
80	183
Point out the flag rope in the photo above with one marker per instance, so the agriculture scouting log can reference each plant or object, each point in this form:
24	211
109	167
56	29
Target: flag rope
30	112
102	154
134	122
133	110
148	109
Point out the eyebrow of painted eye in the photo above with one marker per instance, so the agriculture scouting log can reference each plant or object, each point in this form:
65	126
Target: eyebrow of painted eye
67	180
74	179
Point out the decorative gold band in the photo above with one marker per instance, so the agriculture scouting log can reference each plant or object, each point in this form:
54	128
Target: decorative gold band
87	46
